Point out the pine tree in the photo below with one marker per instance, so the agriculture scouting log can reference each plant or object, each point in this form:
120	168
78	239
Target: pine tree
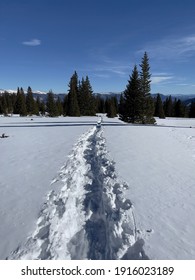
59	107
133	100
31	105
179	109
51	107
1	107
73	107
148	104
4	104
111	108
65	105
20	105
168	107
86	99
192	110
121	107
40	106
159	112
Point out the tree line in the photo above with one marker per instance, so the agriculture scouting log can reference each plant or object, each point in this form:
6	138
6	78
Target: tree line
80	101
173	107
136	104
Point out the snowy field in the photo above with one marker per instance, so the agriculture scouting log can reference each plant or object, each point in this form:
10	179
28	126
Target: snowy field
70	190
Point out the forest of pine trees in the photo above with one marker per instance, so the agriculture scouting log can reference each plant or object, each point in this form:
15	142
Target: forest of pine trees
136	104
79	101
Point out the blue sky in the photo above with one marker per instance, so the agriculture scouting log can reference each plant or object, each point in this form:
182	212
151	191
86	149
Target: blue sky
42	42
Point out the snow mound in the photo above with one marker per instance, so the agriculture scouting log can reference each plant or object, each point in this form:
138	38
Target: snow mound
88	218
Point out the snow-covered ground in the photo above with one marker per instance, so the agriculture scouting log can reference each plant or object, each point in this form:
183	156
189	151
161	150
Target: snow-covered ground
62	196
158	163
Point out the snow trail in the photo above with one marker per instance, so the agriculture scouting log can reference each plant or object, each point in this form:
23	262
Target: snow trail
89	218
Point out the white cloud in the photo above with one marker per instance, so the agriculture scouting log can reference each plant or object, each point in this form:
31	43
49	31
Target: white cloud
160	79
32	43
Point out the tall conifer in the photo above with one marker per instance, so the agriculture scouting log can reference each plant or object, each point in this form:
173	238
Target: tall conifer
72	106
132	100
148	104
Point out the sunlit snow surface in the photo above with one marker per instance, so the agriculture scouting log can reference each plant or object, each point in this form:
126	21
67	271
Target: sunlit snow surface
51	204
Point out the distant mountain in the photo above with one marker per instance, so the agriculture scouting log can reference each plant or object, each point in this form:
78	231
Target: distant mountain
187	99
15	91
106	95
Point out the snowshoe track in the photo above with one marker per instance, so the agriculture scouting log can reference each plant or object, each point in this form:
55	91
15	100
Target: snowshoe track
89	218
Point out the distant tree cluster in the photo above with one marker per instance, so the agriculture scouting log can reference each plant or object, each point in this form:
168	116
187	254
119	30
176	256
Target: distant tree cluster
136	104
79	101
173	107
20	103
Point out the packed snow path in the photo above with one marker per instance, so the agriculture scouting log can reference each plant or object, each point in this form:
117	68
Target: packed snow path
89	218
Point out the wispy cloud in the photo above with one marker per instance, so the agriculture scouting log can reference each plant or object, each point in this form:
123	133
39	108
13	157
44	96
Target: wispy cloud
171	48
120	70
32	43
105	76
160	79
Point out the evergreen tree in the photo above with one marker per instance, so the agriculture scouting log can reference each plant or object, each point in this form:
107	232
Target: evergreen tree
51	107
6	101
1	107
31	105
99	104
65	105
132	111
20	105
192	110
59	106
159	112
73	107
40	106
4	104
86	99
179	109
148	104
168	107
121	107
111	108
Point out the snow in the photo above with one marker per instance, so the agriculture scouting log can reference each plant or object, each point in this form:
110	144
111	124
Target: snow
158	164
30	158
74	190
